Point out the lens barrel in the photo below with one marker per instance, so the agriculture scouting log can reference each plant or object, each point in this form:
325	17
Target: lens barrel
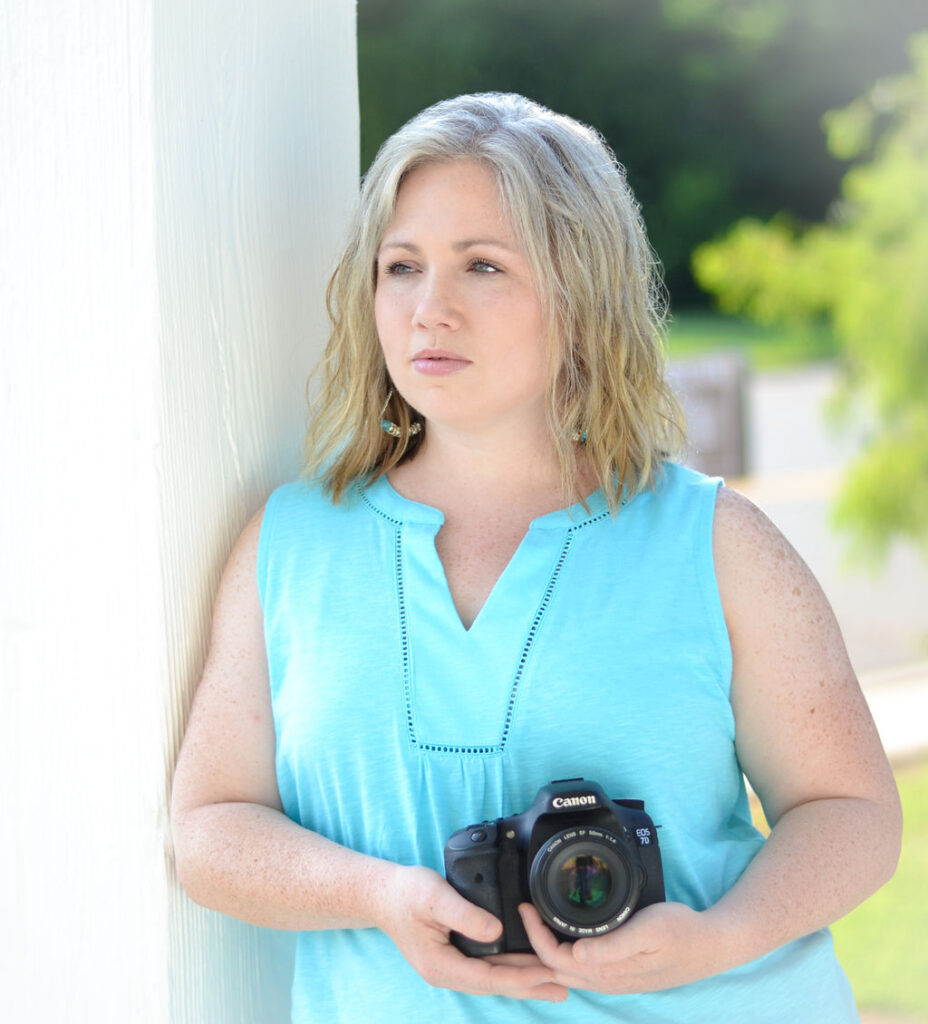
583	882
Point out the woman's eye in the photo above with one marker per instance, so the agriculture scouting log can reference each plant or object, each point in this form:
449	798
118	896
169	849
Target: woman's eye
483	267
397	269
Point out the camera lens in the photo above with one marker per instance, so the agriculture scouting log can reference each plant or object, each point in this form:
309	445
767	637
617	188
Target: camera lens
583	882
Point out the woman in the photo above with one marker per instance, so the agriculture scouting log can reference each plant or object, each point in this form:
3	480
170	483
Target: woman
495	577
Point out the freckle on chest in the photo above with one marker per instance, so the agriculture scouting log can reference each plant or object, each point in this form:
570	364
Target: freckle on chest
473	561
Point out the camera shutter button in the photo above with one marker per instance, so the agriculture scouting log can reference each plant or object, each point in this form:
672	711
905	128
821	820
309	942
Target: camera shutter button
478	835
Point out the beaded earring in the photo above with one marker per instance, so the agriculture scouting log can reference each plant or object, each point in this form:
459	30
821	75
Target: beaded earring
391	428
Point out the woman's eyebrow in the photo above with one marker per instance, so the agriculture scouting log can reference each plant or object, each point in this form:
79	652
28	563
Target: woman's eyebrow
472	243
467	243
398	243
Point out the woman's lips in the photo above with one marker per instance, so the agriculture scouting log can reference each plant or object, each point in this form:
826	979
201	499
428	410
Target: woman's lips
436	363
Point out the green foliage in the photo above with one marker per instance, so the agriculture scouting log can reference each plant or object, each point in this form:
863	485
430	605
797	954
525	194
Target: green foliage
712	105
765	347
866	271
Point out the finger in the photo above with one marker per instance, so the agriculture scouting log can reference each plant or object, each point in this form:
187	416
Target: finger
547	993
550	950
532	981
528	980
454	912
622	944
513	959
508	975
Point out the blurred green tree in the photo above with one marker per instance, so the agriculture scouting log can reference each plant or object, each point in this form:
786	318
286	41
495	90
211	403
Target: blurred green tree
713	105
866	271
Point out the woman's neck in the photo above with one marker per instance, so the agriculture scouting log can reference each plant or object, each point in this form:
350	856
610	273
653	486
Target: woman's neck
451	470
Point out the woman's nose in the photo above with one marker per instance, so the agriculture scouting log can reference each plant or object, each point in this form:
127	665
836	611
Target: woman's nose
437	304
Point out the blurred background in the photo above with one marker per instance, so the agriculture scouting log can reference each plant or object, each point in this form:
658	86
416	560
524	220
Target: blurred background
779	151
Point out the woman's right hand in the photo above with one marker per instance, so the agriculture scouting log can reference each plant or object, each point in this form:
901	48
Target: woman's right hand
420	910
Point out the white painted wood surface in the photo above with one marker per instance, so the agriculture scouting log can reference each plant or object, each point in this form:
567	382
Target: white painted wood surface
174	181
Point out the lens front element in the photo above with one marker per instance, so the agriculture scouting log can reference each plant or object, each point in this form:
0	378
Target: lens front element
583	882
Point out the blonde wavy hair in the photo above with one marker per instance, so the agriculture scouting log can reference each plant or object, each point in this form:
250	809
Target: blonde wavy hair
577	220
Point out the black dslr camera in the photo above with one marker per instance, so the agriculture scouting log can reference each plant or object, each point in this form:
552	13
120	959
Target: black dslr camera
586	862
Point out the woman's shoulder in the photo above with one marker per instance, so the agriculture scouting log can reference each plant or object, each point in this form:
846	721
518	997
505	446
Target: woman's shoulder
305	497
298	490
760	574
301	514
679	477
741	528
678	495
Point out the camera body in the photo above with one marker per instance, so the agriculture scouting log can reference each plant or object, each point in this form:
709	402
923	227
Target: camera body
586	862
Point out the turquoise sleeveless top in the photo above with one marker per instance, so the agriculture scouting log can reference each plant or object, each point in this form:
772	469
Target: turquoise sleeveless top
601	652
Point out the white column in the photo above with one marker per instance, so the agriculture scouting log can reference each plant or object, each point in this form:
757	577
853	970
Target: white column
174	182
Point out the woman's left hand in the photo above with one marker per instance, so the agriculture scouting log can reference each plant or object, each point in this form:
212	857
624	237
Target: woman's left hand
663	945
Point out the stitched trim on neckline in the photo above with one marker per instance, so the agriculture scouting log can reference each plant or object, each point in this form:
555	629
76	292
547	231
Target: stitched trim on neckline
447	748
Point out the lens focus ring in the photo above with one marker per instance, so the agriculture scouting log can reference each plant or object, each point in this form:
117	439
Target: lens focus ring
583	882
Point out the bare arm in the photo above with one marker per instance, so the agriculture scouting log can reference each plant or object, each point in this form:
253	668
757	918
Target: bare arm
806	741
234	848
237	852
808	745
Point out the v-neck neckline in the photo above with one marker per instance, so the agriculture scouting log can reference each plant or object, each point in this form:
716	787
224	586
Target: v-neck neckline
396	506
480	670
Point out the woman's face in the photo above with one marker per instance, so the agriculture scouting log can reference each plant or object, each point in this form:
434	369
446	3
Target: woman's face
457	311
